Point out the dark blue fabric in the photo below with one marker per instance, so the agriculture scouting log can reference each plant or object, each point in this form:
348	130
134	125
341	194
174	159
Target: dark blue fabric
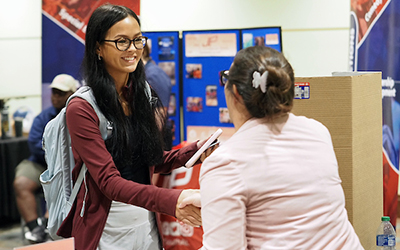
388	145
159	81
381	48
61	52
36	134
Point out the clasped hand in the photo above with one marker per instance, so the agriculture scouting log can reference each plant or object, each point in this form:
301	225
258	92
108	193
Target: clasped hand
189	204
188	207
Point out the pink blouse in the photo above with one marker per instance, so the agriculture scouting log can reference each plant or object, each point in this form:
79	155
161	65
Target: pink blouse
275	186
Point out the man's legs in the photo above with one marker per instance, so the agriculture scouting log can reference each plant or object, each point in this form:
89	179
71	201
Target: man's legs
26	184
25	190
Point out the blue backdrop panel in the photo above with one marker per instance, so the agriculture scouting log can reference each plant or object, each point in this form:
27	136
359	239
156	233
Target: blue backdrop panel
375	46
61	52
165	53
196	87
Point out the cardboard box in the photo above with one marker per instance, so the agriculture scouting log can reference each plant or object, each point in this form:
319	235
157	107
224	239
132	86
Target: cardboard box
350	106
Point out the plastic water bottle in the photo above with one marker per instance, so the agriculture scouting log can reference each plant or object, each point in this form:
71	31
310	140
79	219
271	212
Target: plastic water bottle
5	125
385	235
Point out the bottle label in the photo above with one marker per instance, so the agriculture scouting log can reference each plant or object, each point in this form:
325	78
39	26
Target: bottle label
385	240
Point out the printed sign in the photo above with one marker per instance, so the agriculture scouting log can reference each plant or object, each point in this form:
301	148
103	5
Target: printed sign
211	45
374	46
301	90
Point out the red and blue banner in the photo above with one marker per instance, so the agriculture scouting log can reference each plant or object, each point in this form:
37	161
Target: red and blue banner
375	46
63	37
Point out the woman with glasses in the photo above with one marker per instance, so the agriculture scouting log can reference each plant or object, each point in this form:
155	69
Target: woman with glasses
275	183
120	201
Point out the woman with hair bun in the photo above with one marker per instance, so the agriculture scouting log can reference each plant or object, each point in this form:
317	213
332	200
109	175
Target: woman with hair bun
275	183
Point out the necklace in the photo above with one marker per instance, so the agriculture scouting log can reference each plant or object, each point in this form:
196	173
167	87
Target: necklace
125	105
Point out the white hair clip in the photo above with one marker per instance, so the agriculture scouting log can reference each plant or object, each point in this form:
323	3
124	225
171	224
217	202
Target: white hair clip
260	80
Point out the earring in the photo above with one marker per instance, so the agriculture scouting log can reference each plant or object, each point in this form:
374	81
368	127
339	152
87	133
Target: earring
98	55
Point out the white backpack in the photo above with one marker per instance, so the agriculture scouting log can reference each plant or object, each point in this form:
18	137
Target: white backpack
57	179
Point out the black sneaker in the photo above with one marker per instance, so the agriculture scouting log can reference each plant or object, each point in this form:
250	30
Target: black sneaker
38	234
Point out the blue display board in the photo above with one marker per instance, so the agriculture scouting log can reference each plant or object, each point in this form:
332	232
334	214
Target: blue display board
205	53
269	36
165	53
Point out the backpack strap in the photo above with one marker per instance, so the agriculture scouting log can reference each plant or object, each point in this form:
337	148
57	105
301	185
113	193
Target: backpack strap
76	188
86	93
148	90
78	181
105	126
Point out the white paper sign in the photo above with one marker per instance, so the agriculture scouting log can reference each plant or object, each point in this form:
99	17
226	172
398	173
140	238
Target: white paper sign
210	45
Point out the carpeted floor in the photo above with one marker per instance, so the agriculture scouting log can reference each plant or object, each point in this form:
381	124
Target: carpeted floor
11	237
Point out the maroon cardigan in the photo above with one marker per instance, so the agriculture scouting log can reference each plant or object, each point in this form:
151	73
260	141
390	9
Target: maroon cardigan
104	181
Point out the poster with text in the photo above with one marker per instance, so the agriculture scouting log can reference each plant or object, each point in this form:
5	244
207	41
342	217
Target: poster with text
374	46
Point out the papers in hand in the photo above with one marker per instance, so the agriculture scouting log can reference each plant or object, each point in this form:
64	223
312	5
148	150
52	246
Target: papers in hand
203	148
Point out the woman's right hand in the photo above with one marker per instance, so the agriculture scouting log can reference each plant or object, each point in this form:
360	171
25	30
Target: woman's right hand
209	150
188	207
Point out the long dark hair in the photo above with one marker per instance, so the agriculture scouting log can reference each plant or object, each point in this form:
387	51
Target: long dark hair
146	147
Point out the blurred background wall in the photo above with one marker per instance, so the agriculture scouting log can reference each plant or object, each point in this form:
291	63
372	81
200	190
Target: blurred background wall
315	35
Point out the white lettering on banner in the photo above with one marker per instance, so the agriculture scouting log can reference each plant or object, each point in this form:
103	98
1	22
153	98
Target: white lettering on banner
388	82
388	89
174	182
388	93
176	242
84	29
352	48
371	11
174	228
72	20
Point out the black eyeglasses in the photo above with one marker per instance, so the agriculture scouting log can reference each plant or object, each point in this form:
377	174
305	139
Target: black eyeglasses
123	44
223	77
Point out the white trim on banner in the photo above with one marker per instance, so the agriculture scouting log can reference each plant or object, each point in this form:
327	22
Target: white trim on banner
63	27
372	24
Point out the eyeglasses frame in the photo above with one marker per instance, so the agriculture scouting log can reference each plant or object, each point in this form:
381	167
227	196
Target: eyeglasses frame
130	42
223	74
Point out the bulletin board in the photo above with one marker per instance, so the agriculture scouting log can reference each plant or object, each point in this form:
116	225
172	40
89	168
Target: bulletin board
268	36
204	54
165	53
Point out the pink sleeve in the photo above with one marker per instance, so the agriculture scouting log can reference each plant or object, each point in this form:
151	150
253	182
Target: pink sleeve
223	208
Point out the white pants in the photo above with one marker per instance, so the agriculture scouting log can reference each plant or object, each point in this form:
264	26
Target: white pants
129	227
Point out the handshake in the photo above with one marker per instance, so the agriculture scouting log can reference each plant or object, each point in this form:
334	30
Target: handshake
189	204
188	207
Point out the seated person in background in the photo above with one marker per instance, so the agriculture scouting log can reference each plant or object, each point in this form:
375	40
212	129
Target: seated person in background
161	84
26	182
275	183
